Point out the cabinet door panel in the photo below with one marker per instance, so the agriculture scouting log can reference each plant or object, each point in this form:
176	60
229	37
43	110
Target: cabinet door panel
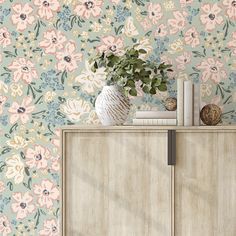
205	184
116	184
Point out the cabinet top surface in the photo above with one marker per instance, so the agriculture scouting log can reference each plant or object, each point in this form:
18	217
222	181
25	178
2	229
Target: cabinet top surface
75	128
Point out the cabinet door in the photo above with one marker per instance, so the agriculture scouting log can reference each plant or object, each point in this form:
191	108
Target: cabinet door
205	184
116	184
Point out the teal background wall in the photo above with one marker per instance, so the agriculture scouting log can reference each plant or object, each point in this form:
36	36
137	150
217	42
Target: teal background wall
45	82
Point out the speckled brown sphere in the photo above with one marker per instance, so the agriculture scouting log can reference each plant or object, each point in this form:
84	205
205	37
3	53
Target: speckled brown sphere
171	104
211	114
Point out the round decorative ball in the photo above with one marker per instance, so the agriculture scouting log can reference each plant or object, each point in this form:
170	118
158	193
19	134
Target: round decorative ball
211	114
171	104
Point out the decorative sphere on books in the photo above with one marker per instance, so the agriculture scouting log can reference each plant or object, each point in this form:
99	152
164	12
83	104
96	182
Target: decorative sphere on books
171	104
211	114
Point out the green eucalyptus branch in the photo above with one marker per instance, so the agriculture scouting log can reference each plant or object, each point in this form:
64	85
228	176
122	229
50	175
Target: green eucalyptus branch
128	69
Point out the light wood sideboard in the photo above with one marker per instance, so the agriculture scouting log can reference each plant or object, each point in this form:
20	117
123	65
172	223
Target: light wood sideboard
120	181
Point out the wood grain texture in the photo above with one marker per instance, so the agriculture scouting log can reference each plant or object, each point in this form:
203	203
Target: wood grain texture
205	184
116	184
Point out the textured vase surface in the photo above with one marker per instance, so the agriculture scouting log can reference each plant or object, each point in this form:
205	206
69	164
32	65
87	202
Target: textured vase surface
112	106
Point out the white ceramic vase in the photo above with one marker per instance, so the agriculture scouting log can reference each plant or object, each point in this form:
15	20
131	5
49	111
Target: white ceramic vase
112	106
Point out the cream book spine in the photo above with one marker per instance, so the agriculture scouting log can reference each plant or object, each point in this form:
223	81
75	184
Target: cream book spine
180	102
154	121
188	103
196	104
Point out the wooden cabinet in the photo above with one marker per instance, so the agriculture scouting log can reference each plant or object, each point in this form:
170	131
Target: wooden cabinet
116	182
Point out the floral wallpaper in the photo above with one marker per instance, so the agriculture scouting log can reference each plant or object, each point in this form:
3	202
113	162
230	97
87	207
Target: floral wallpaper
46	82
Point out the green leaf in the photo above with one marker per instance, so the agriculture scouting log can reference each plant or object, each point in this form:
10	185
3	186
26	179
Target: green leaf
133	92
152	91
146	89
142	51
162	87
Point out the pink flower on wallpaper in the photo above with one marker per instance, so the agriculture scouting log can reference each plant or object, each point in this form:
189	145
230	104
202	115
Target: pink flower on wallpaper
210	17
47	7
56	140
21	111
23	69
22	17
68	59
47	193
115	1
212	69
37	157
183	3
55	164
88	8
5	38
178	22
183	60
2	187
191	37
232	43
111	44
161	31
154	12
22	205
5	227
1	1
231	8
50	228
53	41
2	101
146	24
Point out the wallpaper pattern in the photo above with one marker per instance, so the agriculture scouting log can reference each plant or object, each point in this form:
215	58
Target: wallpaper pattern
47	82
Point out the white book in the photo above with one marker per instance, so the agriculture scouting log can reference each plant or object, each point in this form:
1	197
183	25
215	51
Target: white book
188	103
196	104
180	102
155	115
154	121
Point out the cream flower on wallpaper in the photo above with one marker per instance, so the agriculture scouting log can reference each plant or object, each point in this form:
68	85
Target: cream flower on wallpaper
15	169
154	12
5	38
2	101
69	58
232	42
23	69
231	8
111	44
129	28
16	89
210	17
75	108
50	228
183	3
53	41
22	204
17	142
5	226
191	37
47	193
21	111
46	8
22	16
212	69
91	81
37	157
88	8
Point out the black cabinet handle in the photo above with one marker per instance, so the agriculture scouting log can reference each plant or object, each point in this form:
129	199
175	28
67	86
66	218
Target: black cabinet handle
171	147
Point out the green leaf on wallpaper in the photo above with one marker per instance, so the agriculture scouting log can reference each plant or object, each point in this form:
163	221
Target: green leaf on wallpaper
10	185
10	54
23	157
13	128
63	76
28	185
198	54
5	150
148	33
37	217
2	166
228	100
119	29
27	171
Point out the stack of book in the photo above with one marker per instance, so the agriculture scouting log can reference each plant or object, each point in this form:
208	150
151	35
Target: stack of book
188	103
155	118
